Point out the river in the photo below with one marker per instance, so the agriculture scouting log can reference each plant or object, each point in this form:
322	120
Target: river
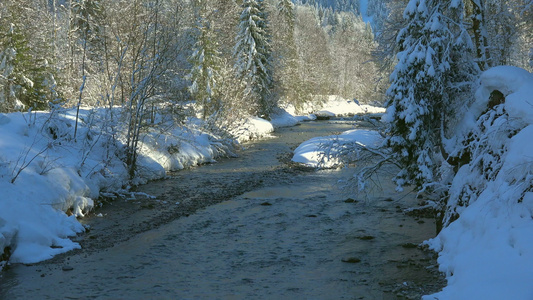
251	227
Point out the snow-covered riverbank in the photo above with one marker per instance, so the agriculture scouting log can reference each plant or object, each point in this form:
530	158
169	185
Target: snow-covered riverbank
45	171
487	253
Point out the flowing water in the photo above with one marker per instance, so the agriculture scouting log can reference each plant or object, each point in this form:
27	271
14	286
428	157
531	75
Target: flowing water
279	234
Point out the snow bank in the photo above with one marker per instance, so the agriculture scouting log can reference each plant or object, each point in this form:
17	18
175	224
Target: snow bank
323	151
53	173
252	129
339	107
45	172
334	106
175	150
282	118
514	83
301	118
487	253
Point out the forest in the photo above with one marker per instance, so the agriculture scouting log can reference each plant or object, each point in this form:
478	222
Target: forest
151	57
454	77
224	60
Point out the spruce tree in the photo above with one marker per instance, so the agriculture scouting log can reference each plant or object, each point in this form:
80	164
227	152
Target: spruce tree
253	56
287	67
7	92
204	74
415	97
286	9
26	80
87	17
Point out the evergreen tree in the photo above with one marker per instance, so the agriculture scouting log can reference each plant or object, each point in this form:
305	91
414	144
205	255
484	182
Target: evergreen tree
415	97
8	101
26	80
287	76
463	68
253	56
286	9
87	15
204	74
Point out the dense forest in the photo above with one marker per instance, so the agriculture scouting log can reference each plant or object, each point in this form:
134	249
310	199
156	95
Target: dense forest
219	60
246	55
93	80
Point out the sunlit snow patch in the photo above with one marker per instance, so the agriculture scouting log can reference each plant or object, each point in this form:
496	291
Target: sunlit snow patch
339	107
324	151
253	128
487	253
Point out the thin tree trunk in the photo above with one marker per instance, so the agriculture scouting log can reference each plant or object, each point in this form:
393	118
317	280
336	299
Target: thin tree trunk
82	86
480	38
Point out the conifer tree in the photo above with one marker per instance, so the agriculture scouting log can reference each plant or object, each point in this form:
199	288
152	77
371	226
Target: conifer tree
87	15
253	56
287	66
25	80
415	97
204	74
286	9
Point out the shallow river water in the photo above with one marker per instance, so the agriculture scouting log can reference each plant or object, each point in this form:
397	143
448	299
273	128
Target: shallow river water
279	234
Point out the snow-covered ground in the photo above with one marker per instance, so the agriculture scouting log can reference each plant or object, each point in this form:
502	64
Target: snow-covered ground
324	152
338	107
45	172
487	253
334	106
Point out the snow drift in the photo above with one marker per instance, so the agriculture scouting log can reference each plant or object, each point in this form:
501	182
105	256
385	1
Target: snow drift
338	107
45	171
325	151
487	253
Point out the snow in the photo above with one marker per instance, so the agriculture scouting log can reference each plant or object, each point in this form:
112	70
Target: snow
514	83
292	111
339	107
282	118
322	151
59	174
254	128
487	253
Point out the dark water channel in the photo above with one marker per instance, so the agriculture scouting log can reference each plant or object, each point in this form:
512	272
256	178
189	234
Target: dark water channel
245	228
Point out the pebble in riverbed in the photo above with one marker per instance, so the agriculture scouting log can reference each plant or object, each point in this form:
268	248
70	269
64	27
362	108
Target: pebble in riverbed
67	268
351	260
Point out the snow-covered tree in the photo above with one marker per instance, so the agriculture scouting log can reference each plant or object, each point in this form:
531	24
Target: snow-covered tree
463	70
87	16
288	79
253	56
204	74
286	9
7	92
26	81
315	61
415	97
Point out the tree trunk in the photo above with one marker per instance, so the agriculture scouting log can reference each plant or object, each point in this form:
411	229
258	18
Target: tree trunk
477	15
